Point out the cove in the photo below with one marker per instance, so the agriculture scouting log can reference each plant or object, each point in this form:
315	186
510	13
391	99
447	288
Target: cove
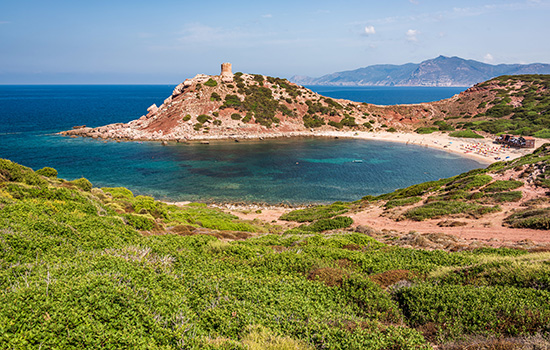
289	170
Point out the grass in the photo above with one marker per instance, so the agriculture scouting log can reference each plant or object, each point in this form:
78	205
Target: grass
530	218
316	213
502	185
444	208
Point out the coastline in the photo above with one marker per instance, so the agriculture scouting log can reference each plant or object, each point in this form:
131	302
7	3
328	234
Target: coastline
483	150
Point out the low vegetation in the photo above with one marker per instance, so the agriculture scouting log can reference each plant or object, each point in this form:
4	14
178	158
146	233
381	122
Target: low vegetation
466	134
84	267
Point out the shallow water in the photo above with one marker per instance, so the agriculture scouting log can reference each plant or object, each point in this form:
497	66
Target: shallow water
298	170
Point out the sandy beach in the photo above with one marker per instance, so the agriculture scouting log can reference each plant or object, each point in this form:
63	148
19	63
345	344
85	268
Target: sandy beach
483	150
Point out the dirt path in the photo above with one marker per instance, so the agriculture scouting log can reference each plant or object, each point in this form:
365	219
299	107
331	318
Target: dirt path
482	229
488	228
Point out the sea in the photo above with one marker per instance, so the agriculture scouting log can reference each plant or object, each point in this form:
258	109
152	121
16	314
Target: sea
292	171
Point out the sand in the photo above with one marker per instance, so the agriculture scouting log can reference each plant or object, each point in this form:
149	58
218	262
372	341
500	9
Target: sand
483	150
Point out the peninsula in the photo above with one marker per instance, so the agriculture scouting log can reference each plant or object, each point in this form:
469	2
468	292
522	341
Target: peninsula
244	106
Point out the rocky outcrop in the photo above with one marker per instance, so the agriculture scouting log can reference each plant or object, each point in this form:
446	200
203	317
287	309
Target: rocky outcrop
245	105
239	105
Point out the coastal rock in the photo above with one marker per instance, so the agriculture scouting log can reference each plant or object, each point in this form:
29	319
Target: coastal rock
178	89
210	107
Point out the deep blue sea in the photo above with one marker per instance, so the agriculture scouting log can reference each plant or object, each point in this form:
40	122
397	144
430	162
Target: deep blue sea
301	170
388	95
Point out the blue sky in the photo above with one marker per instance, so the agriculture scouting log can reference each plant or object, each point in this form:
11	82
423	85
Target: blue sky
120	41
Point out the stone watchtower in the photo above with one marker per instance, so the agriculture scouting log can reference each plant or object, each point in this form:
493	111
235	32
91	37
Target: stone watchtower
227	74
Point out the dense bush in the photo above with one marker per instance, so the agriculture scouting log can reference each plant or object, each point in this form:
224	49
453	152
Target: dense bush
442	208
502	185
316	212
538	219
76	273
83	184
329	224
203	118
426	130
455	310
10	171
48	172
312	122
215	97
211	83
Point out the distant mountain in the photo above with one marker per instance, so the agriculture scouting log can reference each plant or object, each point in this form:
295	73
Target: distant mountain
440	71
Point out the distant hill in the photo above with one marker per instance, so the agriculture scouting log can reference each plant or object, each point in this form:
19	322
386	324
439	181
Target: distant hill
440	71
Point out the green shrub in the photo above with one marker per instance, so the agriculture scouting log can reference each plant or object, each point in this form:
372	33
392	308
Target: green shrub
247	118
458	310
502	185
83	184
469	182
426	130
316	212
499	197
466	134
236	116
443	126
329	224
312	121
538	219
203	118
211	83
48	172
442	208
186	118
392	129
118	192
10	171
215	97
140	222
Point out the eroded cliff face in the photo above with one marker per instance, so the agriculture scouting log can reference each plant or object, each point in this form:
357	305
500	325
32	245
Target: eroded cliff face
252	105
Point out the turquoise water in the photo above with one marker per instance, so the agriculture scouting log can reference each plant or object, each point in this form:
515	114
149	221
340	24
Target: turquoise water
298	170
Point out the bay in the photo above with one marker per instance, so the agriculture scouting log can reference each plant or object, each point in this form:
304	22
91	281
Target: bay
297	170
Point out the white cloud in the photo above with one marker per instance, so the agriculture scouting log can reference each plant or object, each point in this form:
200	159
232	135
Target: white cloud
414	2
269	15
488	58
4	22
370	30
412	34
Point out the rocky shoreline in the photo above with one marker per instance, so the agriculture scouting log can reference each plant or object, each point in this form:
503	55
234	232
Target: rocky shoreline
438	140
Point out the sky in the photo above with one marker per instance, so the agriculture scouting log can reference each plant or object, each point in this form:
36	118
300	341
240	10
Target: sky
165	42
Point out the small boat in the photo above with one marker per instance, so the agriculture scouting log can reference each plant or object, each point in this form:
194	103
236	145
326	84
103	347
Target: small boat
358	161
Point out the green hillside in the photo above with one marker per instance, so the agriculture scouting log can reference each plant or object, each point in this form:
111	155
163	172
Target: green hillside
515	104
84	267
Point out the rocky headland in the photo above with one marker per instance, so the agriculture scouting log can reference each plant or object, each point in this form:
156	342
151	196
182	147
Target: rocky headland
239	105
252	106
